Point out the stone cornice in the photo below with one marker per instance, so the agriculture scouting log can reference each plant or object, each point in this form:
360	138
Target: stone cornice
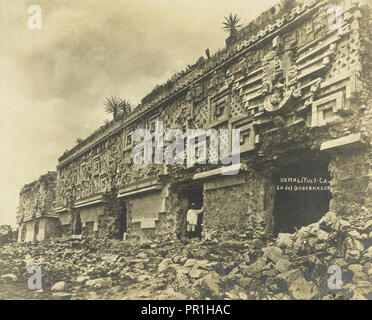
89	201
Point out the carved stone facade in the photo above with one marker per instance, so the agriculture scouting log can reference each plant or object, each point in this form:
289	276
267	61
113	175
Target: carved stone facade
295	83
36	217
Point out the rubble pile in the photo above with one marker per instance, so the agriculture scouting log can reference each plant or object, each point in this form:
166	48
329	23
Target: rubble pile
292	266
7	234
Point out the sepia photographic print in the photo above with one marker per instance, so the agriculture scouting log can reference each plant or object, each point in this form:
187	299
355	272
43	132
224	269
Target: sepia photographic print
204	152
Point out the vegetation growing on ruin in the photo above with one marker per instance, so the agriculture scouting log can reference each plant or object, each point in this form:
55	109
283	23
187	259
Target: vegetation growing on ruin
231	25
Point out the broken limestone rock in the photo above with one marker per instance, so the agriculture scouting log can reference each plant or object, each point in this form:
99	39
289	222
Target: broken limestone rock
171	294
273	253
303	290
99	283
290	276
212	284
190	262
322	235
368	227
285	240
82	279
62	296
9	277
352	255
196	272
164	264
357	271
59	286
259	266
143	277
328	220
283	265
368	254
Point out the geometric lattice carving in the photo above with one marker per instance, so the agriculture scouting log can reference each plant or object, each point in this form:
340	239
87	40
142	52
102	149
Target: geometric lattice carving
248	137
128	140
323	110
219	108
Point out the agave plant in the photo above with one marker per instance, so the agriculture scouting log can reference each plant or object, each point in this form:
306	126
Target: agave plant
125	107
117	106
112	105
231	24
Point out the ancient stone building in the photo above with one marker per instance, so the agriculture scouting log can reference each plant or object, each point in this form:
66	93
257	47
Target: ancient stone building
295	82
36	218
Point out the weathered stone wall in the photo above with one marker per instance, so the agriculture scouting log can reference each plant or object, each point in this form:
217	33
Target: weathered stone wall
51	228
237	207
89	218
37	198
351	166
104	217
39	229
36	217
26	231
151	215
351	181
113	223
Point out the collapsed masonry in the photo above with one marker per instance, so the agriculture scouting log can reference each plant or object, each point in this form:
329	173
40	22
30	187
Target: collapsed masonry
7	234
295	82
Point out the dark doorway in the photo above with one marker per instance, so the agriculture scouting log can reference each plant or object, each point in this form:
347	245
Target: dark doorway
36	229
88	229
302	193
78	226
194	195
122	220
23	232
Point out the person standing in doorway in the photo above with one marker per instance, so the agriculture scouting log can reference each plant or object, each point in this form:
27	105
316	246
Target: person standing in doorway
194	221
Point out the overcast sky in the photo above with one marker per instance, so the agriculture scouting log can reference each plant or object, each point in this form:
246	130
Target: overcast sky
53	81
